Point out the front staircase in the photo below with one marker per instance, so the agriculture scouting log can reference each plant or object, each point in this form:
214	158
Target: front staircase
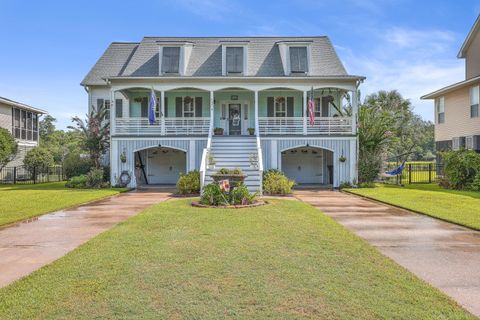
236	152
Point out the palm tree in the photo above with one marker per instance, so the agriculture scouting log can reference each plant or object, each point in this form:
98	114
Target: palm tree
94	133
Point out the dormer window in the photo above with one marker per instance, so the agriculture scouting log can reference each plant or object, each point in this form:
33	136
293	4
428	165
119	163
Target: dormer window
171	60
298	60
234	60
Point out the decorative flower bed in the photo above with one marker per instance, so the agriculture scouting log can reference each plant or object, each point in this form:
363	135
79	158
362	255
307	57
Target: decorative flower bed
227	191
257	203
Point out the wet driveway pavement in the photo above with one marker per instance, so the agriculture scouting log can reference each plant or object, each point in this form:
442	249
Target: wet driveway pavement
445	255
27	246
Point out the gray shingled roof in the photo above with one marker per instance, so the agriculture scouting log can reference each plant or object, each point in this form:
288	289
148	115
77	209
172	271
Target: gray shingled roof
141	59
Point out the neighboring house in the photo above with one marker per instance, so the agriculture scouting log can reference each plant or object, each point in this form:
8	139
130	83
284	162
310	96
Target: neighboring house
22	122
457	117
241	85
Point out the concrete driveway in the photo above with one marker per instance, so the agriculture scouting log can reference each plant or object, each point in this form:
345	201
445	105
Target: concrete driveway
28	246
445	255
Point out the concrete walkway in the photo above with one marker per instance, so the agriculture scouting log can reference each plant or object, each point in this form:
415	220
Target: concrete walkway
445	255
28	246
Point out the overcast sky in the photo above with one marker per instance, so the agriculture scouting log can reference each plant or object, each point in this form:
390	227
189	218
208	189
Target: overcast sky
47	47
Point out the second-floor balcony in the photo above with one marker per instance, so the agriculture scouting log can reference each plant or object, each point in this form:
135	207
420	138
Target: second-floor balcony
191	112
301	125
165	126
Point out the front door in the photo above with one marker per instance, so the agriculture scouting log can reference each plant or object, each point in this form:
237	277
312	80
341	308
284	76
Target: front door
235	119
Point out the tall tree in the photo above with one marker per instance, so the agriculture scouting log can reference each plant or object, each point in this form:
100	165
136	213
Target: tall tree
94	134
46	127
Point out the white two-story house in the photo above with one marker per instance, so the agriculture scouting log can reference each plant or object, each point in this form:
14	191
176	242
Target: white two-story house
254	89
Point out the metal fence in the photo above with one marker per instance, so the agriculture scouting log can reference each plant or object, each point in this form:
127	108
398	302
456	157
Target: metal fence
417	172
23	175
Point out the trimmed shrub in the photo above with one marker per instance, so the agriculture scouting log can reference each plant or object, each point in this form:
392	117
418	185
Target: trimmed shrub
38	158
76	165
241	195
78	182
213	196
275	182
461	169
189	183
95	178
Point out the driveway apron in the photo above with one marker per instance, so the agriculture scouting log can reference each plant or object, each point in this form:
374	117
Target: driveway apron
443	254
28	246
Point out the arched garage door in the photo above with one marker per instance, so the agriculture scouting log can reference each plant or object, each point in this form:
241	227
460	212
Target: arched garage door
308	165
164	165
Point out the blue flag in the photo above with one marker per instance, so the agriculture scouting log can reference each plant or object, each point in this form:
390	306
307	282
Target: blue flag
152	107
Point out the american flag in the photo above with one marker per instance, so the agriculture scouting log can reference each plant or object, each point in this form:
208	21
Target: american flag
311	108
151	108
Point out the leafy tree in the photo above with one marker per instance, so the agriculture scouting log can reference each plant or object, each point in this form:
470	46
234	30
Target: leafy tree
38	158
389	128
94	134
46	127
8	147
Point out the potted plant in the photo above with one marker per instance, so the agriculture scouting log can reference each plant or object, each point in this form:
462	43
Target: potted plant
123	157
235	176
342	158
251	131
211	161
218	131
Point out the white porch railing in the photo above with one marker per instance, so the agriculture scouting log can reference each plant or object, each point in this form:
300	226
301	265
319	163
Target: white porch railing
294	125
173	126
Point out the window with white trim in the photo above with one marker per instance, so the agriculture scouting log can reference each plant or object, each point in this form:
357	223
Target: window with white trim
234	60
298	59
474	101
188	110
171	60
440	108
280	107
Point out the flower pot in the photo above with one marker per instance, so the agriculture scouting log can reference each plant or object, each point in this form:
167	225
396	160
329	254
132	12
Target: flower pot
218	131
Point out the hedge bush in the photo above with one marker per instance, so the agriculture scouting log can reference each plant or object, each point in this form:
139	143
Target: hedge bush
76	165
78	182
275	182
189	183
461	170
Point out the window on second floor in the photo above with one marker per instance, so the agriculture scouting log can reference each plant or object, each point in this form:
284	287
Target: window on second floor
234	60
298	60
104	105
474	101
440	109
188	107
24	125
171	60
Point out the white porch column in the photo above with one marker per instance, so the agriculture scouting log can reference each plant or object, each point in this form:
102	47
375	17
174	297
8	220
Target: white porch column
212	120
354	111
113	110
191	155
274	154
304	113
257	127
162	112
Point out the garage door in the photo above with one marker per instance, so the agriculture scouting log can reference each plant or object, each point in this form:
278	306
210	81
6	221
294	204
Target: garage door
165	165
303	165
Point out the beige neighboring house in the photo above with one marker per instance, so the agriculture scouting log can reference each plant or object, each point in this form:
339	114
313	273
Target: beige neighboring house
457	116
22	122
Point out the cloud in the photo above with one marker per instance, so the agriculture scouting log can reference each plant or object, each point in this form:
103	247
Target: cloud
414	62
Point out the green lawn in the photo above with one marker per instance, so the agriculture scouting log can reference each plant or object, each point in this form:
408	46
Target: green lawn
285	260
461	207
20	202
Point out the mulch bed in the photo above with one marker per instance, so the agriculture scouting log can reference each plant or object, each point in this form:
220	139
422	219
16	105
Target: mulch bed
238	206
